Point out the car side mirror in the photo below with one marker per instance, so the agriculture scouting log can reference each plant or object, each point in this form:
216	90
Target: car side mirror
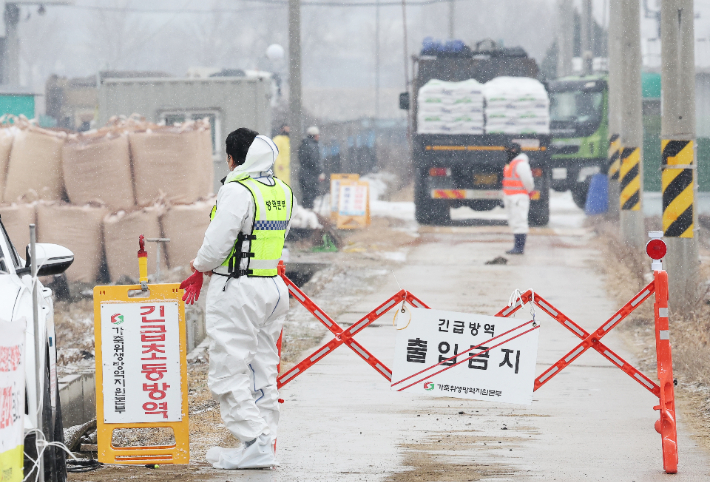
51	259
404	101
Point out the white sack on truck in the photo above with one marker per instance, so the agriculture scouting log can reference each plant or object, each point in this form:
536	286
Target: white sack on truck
35	169
450	107
121	232
17	219
7	135
171	161
516	105
77	228
97	168
185	225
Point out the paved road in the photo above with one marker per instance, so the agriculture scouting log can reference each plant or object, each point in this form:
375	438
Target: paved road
341	422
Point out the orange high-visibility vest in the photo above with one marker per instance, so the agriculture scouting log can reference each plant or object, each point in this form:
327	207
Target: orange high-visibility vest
511	181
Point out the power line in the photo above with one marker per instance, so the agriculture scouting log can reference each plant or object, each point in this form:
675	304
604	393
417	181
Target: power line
275	3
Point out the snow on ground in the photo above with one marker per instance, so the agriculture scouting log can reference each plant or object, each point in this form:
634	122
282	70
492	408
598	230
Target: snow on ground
564	213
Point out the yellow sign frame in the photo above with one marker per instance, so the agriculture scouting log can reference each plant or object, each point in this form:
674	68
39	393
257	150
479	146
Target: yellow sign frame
179	453
354	222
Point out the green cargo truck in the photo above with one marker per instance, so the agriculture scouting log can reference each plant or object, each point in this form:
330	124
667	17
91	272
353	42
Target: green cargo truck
580	132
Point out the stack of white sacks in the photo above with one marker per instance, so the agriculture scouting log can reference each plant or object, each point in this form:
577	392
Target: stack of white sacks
450	108
516	105
513	105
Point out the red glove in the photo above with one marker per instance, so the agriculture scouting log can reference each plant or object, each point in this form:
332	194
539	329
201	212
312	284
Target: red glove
192	287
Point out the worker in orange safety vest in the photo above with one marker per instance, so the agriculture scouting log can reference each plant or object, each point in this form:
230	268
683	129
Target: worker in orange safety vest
518	185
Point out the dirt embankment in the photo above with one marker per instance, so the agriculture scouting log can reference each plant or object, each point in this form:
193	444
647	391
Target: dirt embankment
627	270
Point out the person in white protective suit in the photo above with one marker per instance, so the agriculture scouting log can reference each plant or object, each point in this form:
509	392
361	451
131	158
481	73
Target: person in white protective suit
518	185
247	301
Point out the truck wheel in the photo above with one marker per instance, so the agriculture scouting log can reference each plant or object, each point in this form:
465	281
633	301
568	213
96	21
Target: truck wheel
539	214
579	194
426	210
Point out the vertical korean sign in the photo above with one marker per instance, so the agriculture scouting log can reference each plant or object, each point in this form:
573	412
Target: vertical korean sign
12	400
353	205
140	345
335	180
433	356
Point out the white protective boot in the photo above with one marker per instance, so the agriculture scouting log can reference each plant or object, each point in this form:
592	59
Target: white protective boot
259	455
224	457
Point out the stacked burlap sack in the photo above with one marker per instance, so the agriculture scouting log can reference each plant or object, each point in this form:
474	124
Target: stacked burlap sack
126	179
17	218
78	228
174	162
34	165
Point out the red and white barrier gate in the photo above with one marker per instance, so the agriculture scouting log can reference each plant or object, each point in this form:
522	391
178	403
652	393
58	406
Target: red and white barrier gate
666	425
342	336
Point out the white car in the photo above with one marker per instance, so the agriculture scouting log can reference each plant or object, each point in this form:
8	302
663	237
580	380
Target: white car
16	304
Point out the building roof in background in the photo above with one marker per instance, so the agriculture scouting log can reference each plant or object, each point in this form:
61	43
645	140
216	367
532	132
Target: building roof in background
6	89
132	74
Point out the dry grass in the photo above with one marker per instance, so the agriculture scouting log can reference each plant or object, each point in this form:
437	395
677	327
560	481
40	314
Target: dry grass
627	270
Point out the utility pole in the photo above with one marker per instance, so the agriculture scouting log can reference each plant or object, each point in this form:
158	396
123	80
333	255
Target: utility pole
377	60
586	36
631	128
615	71
565	37
10	45
678	179
294	100
452	16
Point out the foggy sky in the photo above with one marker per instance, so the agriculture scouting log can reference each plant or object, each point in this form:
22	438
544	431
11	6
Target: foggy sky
338	42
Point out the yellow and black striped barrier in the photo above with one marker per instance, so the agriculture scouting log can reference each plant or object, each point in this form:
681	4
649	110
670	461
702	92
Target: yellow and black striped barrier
677	163
630	179
613	158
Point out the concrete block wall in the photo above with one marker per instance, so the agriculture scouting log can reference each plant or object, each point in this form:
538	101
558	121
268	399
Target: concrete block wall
77	393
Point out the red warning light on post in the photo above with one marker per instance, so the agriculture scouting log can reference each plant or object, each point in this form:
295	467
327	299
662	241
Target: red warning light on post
656	249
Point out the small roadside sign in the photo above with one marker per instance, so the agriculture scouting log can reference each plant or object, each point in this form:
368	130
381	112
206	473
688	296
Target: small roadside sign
335	180
353	205
12	400
463	355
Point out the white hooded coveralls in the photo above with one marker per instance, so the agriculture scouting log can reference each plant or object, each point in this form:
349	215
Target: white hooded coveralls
245	314
518	205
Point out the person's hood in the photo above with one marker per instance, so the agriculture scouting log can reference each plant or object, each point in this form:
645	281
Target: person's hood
259	161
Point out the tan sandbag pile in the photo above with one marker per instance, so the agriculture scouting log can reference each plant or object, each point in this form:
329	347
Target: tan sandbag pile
17	219
77	228
121	232
35	169
97	168
171	162
185	225
7	134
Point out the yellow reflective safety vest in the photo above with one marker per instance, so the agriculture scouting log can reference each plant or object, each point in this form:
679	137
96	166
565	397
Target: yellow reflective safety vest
272	213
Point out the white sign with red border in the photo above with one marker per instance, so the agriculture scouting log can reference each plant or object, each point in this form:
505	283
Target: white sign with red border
141	362
433	356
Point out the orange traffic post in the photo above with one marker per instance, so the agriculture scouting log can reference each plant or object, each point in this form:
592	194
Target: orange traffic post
666	424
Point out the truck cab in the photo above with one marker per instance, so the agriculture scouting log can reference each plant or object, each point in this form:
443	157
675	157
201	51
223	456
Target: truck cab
580	132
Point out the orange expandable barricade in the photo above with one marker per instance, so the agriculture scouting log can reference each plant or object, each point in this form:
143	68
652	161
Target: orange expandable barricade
666	425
